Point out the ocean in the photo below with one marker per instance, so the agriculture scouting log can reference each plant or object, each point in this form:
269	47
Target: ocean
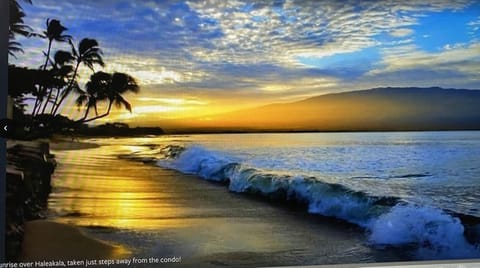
406	190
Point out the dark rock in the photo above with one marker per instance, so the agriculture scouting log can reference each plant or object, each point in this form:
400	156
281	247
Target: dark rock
28	185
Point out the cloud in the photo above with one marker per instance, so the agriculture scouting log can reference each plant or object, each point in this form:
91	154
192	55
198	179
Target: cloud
240	48
474	28
451	58
175	101
455	66
241	31
402	32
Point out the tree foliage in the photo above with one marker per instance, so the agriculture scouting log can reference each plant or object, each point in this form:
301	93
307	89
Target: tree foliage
57	80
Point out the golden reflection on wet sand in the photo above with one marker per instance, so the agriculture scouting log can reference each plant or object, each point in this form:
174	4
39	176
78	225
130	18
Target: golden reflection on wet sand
110	192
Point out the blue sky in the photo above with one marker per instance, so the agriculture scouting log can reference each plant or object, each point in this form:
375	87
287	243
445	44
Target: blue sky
233	53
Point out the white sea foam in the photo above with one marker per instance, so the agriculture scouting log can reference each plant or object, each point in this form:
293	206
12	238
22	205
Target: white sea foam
432	231
199	161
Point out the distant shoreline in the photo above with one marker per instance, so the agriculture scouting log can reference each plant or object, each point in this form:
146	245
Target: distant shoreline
191	132
64	139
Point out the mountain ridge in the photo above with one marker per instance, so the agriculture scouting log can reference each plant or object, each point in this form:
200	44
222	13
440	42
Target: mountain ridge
381	108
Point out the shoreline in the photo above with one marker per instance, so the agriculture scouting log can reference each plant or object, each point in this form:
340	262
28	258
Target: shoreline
164	213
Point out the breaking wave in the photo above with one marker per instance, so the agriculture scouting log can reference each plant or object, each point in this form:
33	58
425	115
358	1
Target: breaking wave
389	221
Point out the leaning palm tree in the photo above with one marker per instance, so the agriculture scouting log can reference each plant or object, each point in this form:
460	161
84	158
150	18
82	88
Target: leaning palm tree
106	87
55	32
89	54
96	89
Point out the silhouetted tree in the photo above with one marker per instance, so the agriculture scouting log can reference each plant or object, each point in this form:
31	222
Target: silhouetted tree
16	27
55	32
89	54
63	72
24	82
96	89
106	87
56	78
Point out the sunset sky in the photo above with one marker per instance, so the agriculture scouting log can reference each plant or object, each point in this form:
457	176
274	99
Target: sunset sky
196	58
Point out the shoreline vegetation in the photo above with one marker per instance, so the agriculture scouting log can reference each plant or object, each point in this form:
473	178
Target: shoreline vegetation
38	95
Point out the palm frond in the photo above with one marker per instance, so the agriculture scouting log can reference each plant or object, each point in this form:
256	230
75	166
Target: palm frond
14	47
55	31
61	57
81	101
16	22
87	44
121	101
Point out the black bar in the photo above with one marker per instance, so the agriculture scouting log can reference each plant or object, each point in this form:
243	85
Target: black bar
4	10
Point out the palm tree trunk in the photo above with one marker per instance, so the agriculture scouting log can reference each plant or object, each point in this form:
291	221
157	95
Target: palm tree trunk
48	100
39	102
48	54
86	113
38	99
55	100
100	116
67	90
35	106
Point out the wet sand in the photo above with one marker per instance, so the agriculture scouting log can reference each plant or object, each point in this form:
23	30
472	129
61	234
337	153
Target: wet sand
156	212
46	240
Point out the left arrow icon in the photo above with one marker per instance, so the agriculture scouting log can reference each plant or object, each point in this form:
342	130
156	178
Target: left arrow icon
4	126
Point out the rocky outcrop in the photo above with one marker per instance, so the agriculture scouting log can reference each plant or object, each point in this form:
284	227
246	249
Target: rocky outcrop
28	176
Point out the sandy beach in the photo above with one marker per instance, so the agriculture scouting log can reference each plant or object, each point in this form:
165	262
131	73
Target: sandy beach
48	240
105	207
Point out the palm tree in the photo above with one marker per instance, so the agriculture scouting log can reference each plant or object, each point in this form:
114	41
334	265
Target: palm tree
54	32
96	89
16	23
13	47
89	54
62	69
16	26
106	87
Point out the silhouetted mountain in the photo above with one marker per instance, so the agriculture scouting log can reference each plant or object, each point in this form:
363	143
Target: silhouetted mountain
366	110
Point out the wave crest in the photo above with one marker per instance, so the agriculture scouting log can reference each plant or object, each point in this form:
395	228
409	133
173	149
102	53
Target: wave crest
388	220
